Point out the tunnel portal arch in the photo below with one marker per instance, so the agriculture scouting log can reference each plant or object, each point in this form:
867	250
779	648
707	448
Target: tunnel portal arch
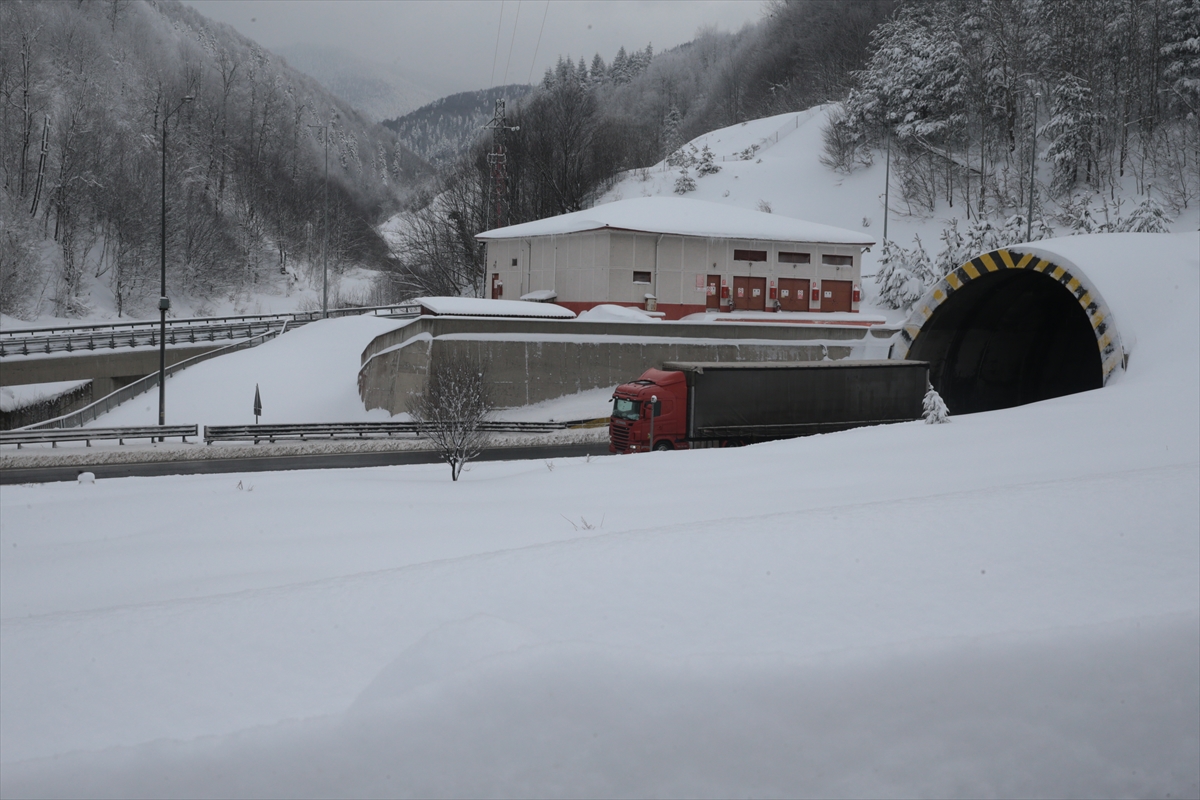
1009	328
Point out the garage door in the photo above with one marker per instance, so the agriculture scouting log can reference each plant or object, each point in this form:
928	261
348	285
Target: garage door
793	294
836	295
749	294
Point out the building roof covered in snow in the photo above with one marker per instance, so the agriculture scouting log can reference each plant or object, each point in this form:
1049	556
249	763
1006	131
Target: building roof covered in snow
682	217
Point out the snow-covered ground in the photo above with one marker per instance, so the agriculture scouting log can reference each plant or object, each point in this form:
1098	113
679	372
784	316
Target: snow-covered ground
1007	605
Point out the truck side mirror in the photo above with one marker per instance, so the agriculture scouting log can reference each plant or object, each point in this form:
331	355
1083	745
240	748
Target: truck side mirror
657	405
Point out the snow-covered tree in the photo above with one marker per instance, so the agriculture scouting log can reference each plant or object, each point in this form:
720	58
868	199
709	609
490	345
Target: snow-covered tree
671	136
452	408
685	182
902	275
1070	130
934	408
705	165
1147	217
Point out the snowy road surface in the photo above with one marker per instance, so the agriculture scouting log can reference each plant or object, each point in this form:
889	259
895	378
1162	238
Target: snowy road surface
1007	605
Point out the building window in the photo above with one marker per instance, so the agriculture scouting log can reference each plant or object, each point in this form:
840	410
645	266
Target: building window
641	277
749	255
794	258
514	262
838	261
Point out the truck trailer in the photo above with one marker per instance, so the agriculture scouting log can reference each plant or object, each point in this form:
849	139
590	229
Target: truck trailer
690	405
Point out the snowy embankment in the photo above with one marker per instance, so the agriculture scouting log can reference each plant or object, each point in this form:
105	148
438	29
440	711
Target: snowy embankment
1007	605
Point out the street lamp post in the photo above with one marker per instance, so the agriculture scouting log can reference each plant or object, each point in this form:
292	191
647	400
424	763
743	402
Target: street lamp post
163	302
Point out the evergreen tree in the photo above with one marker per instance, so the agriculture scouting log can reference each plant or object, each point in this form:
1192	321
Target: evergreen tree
671	136
1147	217
685	182
705	164
934	408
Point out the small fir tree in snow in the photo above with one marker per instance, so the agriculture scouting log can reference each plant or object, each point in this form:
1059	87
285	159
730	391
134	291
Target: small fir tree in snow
935	411
705	165
1148	217
685	182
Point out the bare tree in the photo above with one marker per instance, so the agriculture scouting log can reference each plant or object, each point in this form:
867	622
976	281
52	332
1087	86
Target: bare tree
452	409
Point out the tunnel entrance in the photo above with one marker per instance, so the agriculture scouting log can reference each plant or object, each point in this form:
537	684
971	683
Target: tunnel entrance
1007	338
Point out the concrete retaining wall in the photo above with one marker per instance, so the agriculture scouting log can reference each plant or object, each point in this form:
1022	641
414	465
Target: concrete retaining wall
530	363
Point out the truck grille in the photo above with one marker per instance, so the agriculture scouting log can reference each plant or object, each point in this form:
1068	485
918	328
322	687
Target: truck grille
618	435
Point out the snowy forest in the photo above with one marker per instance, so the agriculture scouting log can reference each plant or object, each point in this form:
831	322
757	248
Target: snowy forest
89	89
962	97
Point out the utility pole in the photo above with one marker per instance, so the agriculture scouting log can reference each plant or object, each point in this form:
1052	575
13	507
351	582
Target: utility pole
1032	167
498	159
887	182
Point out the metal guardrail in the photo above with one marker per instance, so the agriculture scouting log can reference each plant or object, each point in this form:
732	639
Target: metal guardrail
81	416
367	430
56	435
195	330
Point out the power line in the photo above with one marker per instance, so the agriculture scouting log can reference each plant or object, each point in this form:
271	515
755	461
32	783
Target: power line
511	41
533	63
495	55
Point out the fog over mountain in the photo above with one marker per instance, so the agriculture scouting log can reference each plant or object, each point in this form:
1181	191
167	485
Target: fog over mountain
379	91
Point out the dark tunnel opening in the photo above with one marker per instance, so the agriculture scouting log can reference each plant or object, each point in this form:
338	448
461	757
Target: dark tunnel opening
1008	338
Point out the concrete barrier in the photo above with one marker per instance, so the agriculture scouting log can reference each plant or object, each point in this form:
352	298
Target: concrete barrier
529	361
109	369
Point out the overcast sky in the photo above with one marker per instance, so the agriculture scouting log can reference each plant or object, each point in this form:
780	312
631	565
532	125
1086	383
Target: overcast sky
454	42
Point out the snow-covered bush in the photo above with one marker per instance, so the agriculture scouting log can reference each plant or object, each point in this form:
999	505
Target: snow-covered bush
934	408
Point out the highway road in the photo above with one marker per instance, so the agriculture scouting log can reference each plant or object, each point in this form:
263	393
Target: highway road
274	463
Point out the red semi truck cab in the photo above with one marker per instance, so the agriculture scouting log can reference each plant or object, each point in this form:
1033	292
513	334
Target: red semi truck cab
634	407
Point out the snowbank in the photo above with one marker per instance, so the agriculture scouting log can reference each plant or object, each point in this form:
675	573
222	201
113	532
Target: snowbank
607	312
482	307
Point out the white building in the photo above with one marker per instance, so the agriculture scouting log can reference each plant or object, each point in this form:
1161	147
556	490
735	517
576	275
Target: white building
682	256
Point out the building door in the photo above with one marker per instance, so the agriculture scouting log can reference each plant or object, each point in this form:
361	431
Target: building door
749	294
793	294
497	286
836	295
713	298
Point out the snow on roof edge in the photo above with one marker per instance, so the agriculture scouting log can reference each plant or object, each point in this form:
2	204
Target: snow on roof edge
682	217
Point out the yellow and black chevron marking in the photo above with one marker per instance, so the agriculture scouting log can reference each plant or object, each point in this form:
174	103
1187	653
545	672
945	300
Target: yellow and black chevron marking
1077	285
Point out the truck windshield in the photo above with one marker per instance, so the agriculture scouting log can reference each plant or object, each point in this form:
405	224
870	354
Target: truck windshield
626	409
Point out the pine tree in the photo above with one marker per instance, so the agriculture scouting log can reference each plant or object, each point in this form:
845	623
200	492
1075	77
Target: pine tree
685	182
599	71
671	137
705	165
895	280
1147	217
934	409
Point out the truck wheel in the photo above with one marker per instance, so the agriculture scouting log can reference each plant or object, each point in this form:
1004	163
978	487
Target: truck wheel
663	446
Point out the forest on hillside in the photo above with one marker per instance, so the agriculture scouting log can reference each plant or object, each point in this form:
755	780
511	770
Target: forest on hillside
88	90
1102	94
590	120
